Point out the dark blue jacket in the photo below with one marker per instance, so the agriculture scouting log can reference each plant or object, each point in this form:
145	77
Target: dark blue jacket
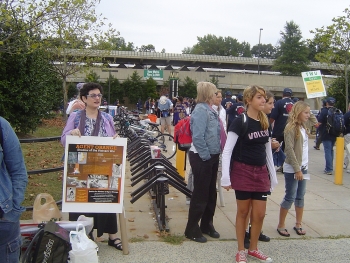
347	122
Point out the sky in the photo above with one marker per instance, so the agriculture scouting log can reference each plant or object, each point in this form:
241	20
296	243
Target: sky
174	25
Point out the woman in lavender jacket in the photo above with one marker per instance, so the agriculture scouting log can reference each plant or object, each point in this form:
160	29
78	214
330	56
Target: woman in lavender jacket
93	122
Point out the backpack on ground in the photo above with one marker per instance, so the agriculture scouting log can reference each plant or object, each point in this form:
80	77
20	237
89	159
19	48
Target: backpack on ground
182	134
335	122
50	245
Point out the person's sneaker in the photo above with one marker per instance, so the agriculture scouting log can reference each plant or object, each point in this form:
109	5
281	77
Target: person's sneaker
263	238
246	240
259	255
316	148
241	257
328	172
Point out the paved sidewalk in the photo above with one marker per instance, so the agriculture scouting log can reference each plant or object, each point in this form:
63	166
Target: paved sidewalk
326	220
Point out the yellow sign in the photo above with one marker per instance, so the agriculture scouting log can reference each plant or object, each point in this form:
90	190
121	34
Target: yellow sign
313	84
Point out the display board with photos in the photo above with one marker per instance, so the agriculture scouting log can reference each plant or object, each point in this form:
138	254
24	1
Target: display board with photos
94	174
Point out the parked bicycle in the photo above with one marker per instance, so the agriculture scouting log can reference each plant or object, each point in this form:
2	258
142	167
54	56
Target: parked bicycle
128	126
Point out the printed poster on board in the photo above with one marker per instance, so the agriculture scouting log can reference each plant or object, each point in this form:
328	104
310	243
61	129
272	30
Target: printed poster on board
94	174
313	83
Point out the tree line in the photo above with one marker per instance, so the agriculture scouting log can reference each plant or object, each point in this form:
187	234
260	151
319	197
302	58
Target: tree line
38	39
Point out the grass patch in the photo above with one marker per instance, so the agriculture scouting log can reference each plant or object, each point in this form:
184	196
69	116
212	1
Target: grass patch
136	239
174	239
43	155
336	237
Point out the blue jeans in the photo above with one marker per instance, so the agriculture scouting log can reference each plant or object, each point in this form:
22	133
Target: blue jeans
329	154
295	191
10	241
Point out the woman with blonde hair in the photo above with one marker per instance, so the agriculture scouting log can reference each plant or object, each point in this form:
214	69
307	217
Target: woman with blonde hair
295	166
204	160
250	171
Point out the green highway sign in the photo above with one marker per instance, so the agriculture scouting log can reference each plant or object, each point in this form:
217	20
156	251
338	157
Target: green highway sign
154	74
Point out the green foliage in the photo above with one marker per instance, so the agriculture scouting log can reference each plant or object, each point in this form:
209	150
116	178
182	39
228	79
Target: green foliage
117	91
266	51
92	77
333	42
150	89
337	90
189	88
133	87
21	20
147	48
215	81
174	239
29	89
220	46
71	90
292	55
333	46
114	43
77	26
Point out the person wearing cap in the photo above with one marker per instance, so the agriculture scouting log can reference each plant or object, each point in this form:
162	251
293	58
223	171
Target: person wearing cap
279	115
228	101
328	139
235	110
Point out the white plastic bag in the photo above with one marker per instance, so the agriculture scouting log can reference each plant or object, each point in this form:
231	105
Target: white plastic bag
84	250
88	222
83	256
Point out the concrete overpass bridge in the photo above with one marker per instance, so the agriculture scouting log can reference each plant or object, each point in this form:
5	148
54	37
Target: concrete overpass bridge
233	73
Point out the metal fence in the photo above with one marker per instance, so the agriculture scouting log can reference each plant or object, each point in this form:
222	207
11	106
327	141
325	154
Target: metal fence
41	171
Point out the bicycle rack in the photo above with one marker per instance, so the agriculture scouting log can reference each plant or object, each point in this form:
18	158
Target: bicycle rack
145	174
158	174
143	165
141	148
160	184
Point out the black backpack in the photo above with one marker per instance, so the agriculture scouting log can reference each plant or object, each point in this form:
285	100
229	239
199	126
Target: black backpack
50	245
335	122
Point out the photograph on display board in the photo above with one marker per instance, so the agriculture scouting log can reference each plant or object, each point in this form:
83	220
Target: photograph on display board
72	157
71	194
93	173
97	181
82	156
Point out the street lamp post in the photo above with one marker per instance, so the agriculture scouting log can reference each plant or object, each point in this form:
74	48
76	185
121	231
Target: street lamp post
259	52
109	82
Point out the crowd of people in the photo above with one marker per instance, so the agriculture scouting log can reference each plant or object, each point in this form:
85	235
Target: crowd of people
262	137
236	138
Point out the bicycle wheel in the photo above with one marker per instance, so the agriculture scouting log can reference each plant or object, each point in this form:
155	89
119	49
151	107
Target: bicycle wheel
167	145
154	129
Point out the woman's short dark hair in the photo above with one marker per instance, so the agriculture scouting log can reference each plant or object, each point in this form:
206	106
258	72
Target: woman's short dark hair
84	91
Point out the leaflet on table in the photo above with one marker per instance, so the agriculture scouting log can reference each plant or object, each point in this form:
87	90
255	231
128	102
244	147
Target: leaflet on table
94	174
